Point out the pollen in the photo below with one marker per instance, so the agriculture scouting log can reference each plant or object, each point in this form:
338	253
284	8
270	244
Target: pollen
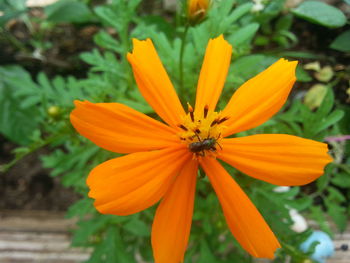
202	131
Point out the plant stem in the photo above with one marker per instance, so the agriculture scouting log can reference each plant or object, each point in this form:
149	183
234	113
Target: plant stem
182	51
30	149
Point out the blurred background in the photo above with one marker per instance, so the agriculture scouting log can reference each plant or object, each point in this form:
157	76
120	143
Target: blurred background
55	51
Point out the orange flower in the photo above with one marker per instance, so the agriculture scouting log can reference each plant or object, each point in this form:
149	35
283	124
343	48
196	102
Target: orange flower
197	9
163	160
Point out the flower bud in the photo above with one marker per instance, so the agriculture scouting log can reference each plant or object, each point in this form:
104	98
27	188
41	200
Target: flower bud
197	10
54	111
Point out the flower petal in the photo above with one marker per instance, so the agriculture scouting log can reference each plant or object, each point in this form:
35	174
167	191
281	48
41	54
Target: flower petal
277	158
154	83
134	182
172	222
118	128
213	73
244	220
260	98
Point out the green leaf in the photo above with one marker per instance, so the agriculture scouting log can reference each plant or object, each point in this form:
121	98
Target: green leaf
237	12
110	17
137	227
341	180
69	12
206	256
342	42
331	119
299	54
302	75
319	216
83	234
105	40
335	195
249	66
284	22
337	213
105	62
300	203
327	104
320	13
244	34
111	249
81	208
16	122
9	15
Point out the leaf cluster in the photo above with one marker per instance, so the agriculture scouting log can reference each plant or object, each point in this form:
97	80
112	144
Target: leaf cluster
34	113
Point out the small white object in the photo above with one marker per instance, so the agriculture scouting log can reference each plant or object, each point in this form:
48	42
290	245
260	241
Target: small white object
300	224
281	189
258	6
39	3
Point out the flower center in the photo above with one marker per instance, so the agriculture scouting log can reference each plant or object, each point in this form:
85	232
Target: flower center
202	130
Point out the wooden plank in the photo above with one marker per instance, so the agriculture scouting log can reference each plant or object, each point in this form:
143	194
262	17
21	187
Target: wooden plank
36	236
37	221
41	236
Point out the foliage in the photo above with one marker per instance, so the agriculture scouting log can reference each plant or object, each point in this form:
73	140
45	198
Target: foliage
321	13
34	112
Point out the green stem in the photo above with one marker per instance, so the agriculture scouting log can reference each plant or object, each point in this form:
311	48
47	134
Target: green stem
31	148
182	51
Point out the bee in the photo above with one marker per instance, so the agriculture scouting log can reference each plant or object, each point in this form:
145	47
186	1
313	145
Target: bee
207	144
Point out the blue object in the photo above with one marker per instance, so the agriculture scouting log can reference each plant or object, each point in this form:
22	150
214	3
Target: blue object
323	250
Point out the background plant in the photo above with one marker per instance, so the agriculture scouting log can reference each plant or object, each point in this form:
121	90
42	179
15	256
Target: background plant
34	113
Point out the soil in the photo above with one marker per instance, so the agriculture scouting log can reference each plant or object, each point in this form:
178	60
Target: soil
28	186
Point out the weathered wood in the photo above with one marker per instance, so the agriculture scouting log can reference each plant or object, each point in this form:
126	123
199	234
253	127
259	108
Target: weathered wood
28	237
44	237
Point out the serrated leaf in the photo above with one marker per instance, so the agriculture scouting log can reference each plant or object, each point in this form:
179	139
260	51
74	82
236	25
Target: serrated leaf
331	119
83	234
110	17
105	40
80	208
16	123
206	256
111	249
320	13
300	203
337	213
341	180
319	216
335	195
137	227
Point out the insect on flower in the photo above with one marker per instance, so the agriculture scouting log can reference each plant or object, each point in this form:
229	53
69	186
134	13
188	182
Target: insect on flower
162	159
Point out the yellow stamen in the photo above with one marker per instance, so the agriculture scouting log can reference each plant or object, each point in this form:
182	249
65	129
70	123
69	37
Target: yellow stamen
201	130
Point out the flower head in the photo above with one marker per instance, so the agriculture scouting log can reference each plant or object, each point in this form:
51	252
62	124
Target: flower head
197	10
162	159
